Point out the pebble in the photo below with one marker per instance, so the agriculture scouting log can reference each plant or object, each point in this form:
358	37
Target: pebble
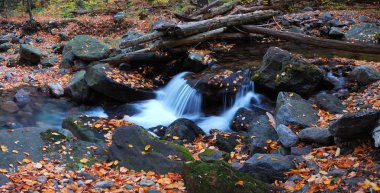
42	179
104	184
145	182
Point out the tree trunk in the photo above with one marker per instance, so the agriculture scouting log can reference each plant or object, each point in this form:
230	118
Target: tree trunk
304	39
29	7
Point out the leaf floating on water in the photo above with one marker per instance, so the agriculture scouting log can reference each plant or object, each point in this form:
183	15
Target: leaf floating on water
147	147
3	170
240	183
260	157
4	148
175	137
84	160
15	151
273	159
130	145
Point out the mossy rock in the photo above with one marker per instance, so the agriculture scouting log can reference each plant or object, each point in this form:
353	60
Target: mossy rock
76	124
218	176
213	155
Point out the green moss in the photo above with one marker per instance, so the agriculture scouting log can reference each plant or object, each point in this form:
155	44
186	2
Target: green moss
185	153
218	176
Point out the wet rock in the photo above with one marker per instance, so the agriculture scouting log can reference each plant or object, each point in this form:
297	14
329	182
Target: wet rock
119	17
195	62
9	107
56	89
77	126
335	23
286	136
244	117
330	103
30	54
316	135
292	109
365	32
22	97
213	155
97	79
128	142
77	88
159	130
217	176
355	125
268	167
336	32
282	71
104	184
183	131
5	47
49	62
227	143
365	75
130	35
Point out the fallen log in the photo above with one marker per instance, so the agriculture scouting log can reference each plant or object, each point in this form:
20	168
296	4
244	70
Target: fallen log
148	57
191	28
226	7
319	42
240	9
205	8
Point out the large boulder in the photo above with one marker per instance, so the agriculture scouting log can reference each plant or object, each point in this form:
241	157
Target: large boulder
78	90
376	136
355	125
292	109
268	167
365	32
329	102
5	47
97	79
30	54
282	71
183	131
218	176
85	48
365	74
316	135
136	149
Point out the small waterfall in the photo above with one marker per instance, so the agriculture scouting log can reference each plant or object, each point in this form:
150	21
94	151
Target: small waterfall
179	100
176	100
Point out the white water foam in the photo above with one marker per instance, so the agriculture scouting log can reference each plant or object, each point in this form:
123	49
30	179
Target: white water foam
179	100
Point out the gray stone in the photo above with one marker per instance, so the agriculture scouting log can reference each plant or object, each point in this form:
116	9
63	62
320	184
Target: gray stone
5	47
365	74
145	182
118	17
336	32
355	125
337	172
316	135
365	32
42	179
292	109
268	167
63	36
329	102
49	62
22	97
298	151
56	89
9	107
30	54
286	136
213	155
77	88
376	136
104	184
335	23
327	16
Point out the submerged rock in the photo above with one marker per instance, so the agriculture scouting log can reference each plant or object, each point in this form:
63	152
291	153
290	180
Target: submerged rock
282	71
183	131
292	109
56	89
129	147
218	176
268	167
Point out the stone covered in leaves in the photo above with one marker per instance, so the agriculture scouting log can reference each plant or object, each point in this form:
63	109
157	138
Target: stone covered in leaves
137	149
88	48
282	71
292	109
97	78
217	176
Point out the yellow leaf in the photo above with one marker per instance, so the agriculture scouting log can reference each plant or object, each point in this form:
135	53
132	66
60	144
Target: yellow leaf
175	137
4	148
15	151
291	94
84	160
115	162
273	159
3	170
147	147
261	156
240	183
27	160
63	147
130	145
38	165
